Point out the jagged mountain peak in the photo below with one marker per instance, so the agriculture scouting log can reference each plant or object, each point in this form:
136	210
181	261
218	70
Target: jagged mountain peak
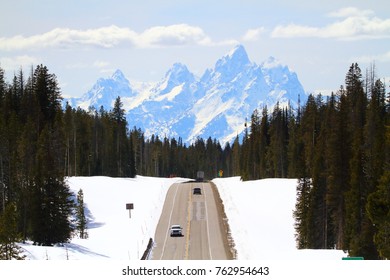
236	58
180	105
238	52
119	76
272	63
179	73
227	68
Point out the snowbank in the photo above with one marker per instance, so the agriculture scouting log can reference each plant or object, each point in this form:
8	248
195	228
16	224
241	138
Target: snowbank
112	233
260	215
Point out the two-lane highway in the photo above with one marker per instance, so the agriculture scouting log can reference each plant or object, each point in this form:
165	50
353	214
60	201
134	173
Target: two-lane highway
204	237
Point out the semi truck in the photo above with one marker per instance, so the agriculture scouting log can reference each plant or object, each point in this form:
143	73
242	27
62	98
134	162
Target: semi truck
200	176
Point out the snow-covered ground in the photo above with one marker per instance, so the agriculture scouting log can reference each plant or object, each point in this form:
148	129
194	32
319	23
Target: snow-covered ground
261	220
259	214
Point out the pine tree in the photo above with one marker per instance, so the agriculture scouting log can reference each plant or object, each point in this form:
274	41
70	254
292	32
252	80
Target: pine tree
236	157
120	133
254	145
2	86
378	208
358	235
278	132
81	220
374	135
47	92
9	236
264	144
52	205
309	131
335	173
301	214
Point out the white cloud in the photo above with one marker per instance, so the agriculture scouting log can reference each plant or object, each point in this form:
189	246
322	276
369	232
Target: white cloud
293	30
353	24
63	37
12	63
109	37
384	57
181	34
350	11
253	34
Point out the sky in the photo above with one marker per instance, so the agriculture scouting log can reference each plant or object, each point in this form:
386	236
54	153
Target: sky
82	41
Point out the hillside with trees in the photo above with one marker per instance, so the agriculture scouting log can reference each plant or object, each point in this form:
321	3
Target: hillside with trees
338	147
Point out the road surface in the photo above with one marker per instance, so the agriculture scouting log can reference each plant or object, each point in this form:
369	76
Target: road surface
204	234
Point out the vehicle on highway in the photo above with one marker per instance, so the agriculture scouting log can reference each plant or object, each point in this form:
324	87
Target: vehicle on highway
200	176
197	191
176	230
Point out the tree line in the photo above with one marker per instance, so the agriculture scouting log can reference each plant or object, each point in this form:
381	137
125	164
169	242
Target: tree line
337	146
341	148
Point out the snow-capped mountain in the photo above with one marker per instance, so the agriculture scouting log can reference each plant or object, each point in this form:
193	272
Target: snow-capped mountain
104	92
214	105
168	102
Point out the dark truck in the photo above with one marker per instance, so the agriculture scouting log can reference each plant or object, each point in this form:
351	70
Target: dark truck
200	176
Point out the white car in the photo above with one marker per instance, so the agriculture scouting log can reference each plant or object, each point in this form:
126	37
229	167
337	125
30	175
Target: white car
176	230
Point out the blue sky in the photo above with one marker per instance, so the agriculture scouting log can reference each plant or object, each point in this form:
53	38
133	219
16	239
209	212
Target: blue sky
81	41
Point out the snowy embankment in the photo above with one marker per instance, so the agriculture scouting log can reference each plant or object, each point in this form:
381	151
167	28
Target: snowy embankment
112	233
259	214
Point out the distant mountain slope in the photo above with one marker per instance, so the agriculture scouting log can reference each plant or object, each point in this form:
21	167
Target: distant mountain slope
215	105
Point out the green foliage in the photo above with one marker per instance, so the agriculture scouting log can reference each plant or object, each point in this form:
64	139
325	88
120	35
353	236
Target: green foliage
81	220
378	208
345	154
301	214
9	236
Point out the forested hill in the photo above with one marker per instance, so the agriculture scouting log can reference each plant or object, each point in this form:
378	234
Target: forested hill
338	146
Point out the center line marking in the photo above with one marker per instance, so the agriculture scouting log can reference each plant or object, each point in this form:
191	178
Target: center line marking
207	223
188	226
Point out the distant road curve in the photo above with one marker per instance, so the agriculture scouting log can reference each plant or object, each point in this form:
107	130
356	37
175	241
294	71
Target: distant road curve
201	217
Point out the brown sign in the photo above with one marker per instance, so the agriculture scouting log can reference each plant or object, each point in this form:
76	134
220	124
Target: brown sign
129	206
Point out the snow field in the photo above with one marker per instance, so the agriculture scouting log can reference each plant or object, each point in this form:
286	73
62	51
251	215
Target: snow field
261	220
259	214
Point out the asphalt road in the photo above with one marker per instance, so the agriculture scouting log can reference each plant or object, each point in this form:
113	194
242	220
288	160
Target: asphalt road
204	236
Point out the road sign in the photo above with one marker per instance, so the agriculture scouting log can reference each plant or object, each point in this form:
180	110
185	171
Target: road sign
353	258
129	206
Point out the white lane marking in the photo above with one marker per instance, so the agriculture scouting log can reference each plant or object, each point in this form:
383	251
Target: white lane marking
170	218
207	222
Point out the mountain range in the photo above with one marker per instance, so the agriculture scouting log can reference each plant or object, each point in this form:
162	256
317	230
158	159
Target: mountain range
215	105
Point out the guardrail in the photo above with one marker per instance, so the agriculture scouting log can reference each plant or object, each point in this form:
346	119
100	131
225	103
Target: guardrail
146	254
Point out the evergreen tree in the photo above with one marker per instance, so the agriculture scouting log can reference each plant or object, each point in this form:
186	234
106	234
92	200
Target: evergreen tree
264	143
374	135
9	236
51	196
378	208
358	235
335	172
119	130
3	86
278	142
81	220
236	157
309	131
254	146
47	92
301	214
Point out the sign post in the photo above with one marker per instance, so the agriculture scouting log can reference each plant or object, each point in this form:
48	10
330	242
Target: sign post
129	206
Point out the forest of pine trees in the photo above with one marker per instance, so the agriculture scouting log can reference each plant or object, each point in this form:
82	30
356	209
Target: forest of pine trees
338	147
